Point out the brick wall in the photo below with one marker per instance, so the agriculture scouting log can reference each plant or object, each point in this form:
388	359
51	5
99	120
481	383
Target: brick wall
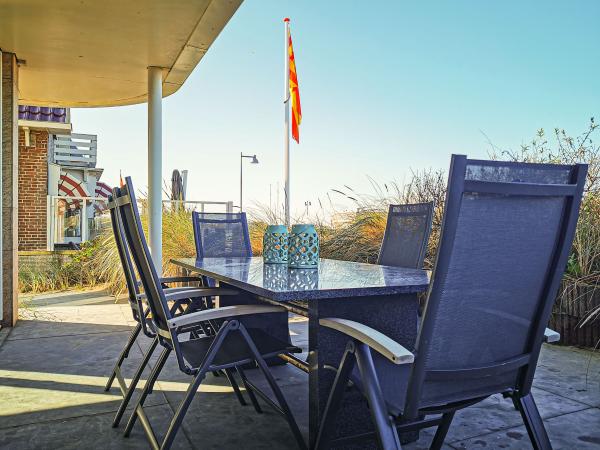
33	188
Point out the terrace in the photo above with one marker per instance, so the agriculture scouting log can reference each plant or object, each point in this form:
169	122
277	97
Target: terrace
56	350
54	364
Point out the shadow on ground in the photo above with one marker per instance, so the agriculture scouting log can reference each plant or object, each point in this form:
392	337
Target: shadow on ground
54	364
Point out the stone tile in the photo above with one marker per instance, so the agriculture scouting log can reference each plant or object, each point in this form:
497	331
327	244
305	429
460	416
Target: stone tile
570	372
217	420
70	298
88	432
60	377
579	430
497	413
45	327
91	354
53	368
4	332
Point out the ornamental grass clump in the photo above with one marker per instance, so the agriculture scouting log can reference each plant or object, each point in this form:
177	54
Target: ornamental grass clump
178	241
579	298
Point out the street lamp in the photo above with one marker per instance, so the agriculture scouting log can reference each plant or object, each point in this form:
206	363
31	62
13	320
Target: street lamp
254	160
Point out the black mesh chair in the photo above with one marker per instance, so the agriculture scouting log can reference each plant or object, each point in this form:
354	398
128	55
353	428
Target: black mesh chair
226	235
505	240
406	235
183	300
230	346
221	235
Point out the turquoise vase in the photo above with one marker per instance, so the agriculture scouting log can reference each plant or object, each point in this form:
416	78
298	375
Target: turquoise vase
275	244
303	247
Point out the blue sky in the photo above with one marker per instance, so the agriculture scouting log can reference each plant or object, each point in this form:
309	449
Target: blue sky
385	86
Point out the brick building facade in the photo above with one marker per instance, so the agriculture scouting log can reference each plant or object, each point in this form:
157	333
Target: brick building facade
33	190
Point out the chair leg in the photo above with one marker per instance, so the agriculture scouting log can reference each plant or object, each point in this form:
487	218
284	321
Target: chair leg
249	390
387	434
162	359
335	398
193	387
262	365
442	431
231	378
533	422
134	382
124	354
182	410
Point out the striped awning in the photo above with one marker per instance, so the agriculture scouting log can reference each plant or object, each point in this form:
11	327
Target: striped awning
71	186
102	190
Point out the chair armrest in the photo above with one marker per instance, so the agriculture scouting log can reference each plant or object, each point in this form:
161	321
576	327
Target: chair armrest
198	292
180	279
551	336
191	292
379	342
222	313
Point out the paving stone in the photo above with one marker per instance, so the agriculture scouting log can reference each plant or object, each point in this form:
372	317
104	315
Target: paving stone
579	430
88	432
54	365
62	377
496	413
570	372
40	328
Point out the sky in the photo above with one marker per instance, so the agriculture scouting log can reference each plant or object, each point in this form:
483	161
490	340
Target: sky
385	86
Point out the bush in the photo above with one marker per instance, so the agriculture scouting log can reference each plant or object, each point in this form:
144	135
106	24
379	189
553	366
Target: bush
583	268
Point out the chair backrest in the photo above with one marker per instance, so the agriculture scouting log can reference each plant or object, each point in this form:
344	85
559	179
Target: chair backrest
123	249
136	240
221	235
505	240
406	235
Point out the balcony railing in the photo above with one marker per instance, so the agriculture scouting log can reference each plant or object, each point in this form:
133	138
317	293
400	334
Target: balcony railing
74	150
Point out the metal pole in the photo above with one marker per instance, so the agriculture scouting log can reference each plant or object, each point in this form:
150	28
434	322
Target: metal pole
83	228
241	178
286	102
184	178
155	164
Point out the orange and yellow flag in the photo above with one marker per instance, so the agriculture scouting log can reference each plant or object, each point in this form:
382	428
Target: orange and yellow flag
294	92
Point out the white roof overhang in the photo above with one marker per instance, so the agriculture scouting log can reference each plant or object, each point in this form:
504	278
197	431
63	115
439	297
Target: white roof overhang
90	53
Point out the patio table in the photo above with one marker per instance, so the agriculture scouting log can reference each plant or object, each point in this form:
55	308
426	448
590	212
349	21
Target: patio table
368	293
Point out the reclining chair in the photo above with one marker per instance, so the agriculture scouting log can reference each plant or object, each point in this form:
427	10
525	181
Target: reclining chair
505	240
230	346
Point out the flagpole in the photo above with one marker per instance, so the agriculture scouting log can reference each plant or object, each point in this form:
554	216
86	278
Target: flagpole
286	102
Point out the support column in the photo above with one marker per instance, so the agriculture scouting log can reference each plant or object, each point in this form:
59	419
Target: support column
9	181
155	164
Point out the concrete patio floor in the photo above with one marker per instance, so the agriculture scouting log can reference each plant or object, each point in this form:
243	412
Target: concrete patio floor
54	364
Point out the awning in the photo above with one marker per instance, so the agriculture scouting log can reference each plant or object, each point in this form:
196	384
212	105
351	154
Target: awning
71	186
102	190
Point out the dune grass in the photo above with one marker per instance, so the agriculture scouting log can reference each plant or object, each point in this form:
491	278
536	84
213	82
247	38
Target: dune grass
355	234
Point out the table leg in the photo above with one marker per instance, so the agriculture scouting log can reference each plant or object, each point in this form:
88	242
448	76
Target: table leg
395	316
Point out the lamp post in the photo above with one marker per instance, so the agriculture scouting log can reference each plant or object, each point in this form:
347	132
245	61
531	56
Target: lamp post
254	160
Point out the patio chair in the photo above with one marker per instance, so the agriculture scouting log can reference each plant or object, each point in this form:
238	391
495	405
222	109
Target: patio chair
232	344
226	235
221	235
505	241
406	235
185	299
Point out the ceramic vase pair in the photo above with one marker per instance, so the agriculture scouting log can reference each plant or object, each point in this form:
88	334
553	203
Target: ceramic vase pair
298	249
